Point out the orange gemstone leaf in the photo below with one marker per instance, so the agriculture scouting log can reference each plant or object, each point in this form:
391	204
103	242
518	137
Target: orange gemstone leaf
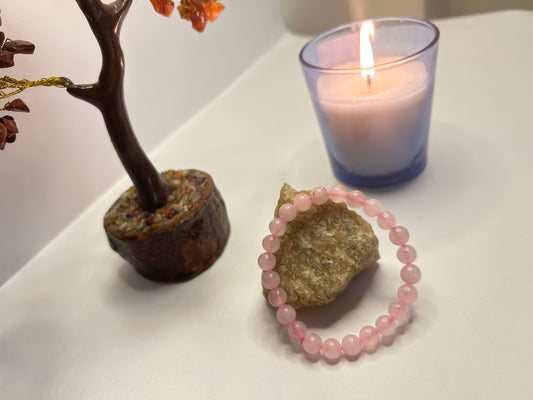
212	10
163	7
199	12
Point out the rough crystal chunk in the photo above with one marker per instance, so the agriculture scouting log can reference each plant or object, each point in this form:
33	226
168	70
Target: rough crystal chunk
322	250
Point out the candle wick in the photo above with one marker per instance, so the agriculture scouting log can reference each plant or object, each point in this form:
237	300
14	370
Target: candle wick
368	81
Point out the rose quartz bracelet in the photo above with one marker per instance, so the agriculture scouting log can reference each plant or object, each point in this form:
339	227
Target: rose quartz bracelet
369	336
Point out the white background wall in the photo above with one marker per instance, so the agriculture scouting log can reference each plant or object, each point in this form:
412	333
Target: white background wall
462	7
171	72
313	16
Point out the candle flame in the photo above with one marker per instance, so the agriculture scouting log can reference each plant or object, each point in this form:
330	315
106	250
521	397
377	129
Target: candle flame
365	49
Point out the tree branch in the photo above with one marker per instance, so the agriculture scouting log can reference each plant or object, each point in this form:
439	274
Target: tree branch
121	6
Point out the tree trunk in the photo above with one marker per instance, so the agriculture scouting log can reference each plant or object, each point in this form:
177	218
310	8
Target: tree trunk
108	96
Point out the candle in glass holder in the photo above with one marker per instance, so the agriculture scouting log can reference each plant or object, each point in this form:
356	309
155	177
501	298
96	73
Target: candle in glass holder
374	111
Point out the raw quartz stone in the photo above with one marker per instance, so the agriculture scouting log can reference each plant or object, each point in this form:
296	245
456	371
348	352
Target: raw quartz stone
322	250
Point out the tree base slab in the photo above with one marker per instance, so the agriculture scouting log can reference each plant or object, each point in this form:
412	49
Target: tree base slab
178	241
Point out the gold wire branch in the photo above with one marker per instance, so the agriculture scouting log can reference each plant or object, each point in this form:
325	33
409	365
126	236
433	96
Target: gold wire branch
18	86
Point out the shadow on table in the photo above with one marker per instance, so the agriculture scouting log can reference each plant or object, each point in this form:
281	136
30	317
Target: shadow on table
328	314
134	280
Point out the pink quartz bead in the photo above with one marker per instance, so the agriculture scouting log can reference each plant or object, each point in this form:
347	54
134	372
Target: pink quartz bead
266	261
297	331
407	293
270	279
369	336
399	311
399	235
332	349
277	297
386	220
351	346
277	227
406	254
271	243
338	193
285	314
410	273
302	202
319	195
372	207
287	212
356	199
312	344
386	325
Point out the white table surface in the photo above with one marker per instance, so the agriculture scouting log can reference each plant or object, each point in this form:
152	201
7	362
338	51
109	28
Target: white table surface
77	323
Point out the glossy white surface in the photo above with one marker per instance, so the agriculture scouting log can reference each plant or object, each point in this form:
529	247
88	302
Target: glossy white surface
77	323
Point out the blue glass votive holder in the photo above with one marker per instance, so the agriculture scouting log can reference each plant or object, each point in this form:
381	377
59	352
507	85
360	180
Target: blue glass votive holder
374	115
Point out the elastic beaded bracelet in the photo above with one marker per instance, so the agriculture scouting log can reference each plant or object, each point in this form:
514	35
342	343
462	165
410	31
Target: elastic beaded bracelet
369	336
